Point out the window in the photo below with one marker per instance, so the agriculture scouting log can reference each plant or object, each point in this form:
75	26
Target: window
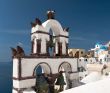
81	52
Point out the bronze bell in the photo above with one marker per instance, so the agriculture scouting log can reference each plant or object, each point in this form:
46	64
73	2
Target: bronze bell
60	80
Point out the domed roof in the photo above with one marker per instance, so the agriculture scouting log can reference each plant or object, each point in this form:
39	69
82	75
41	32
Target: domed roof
103	47
98	44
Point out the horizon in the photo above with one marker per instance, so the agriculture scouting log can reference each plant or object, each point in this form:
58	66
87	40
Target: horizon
88	21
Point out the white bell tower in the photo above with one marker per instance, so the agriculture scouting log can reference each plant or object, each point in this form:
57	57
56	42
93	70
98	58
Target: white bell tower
39	38
24	66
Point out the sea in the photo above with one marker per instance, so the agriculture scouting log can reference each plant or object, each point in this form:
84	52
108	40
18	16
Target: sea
5	77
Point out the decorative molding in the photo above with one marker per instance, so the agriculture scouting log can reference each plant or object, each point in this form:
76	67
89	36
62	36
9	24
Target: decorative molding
24	78
37	55
65	63
61	36
19	73
41	32
46	56
38	65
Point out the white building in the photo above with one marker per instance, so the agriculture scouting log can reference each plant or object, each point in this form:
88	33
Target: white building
49	51
101	52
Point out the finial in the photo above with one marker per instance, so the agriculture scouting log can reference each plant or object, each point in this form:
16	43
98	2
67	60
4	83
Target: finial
66	29
33	24
50	14
14	52
37	21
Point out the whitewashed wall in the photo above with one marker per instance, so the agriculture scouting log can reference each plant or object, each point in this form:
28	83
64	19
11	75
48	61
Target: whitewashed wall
46	26
28	65
15	68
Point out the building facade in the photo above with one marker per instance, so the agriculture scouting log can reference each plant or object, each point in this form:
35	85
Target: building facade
102	52
76	53
49	51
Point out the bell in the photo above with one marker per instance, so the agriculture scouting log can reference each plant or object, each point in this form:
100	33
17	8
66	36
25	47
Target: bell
60	80
41	84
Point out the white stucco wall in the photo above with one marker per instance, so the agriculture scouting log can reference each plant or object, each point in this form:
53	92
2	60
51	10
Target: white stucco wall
24	83
35	46
15	67
14	91
37	28
81	62
43	38
91	60
29	91
55	26
45	27
29	64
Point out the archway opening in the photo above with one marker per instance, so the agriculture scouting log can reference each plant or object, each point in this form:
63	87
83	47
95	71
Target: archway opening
41	72
65	68
51	43
57	30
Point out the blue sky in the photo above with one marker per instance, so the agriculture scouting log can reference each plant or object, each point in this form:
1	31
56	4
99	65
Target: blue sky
89	22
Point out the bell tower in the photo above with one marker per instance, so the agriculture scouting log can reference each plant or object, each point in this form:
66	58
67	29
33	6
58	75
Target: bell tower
48	34
39	37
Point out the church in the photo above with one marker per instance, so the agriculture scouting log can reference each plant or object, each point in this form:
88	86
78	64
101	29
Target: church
49	50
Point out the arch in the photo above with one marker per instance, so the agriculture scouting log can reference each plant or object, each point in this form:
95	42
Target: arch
60	36
67	67
54	25
45	66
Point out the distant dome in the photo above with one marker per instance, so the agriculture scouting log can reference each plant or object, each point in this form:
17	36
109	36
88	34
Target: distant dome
103	47
99	44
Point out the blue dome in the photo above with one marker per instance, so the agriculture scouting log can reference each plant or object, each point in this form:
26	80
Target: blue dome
99	44
103	47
